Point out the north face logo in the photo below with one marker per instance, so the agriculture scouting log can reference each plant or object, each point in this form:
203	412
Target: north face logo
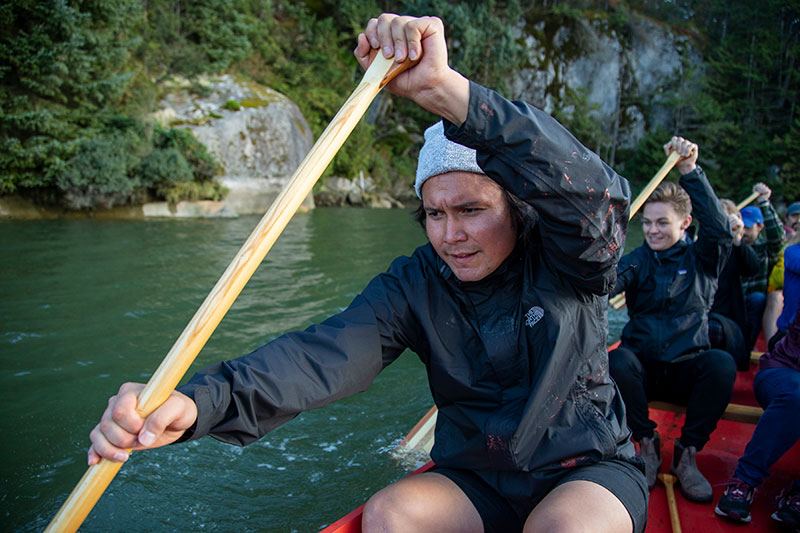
533	316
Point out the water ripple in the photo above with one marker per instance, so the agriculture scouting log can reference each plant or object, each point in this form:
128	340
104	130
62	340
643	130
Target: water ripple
17	336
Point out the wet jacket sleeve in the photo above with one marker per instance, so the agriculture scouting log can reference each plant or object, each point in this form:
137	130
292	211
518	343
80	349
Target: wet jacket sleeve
714	238
626	272
239	401
582	204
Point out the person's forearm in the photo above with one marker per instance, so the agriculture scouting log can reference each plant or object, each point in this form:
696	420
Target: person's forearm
772	227
449	99
705	208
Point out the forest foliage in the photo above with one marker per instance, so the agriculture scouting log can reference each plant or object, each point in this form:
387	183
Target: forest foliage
78	80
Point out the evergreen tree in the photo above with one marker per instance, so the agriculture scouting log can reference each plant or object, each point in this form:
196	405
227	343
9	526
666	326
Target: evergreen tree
62	71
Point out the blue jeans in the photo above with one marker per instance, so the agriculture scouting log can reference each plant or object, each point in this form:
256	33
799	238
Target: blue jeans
778	392
754	305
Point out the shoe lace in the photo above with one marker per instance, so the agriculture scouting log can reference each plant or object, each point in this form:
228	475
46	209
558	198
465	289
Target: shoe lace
739	490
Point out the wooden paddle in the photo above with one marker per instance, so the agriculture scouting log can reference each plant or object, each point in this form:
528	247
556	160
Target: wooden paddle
744	203
618	301
669	481
208	316
673	158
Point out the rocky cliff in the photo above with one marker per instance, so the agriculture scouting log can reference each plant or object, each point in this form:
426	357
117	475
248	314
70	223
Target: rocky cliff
626	72
257	135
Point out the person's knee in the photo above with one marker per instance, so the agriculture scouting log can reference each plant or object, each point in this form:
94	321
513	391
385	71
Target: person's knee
721	366
756	300
385	512
558	520
726	366
624	365
559	524
427	502
602	511
791	400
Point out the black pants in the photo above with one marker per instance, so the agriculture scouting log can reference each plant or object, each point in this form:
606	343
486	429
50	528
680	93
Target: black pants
725	334
704	384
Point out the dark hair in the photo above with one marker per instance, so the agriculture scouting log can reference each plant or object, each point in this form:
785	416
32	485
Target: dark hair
523	216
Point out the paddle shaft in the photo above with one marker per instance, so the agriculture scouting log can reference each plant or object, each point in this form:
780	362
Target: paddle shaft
673	158
669	483
744	203
177	361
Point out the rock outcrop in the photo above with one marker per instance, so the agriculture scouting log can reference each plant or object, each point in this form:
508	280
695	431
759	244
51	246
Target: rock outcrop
626	79
256	134
361	192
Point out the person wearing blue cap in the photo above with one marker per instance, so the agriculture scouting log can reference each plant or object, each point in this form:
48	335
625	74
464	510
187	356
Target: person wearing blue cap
505	306
753	222
764	232
792	219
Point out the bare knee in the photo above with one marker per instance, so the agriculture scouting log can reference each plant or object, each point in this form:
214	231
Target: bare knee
426	502
385	511
559	523
579	507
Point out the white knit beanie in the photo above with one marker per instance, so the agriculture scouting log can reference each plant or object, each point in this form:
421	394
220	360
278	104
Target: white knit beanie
439	155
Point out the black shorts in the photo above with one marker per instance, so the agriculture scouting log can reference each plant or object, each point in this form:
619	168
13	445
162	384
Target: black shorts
505	499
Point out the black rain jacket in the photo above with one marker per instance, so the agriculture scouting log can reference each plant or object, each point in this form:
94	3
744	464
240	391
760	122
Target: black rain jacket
517	362
669	293
729	299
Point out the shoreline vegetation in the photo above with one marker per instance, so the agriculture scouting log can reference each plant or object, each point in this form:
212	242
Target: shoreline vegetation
80	83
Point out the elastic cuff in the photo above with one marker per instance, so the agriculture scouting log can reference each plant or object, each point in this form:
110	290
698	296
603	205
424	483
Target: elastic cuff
202	425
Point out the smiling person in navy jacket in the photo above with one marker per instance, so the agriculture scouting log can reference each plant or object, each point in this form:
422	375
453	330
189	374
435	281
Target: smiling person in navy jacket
669	283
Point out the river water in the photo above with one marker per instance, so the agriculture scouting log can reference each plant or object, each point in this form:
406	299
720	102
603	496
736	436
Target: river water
87	304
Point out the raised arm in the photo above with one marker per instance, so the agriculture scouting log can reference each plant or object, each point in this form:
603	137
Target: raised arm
714	237
432	84
581	202
773	228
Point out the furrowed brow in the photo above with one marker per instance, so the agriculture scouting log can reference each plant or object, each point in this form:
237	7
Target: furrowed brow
466	205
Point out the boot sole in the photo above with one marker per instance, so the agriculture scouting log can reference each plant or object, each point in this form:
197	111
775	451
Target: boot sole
789	523
697	500
707	499
733	516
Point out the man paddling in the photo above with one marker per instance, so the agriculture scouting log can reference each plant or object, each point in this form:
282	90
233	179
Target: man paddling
506	306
